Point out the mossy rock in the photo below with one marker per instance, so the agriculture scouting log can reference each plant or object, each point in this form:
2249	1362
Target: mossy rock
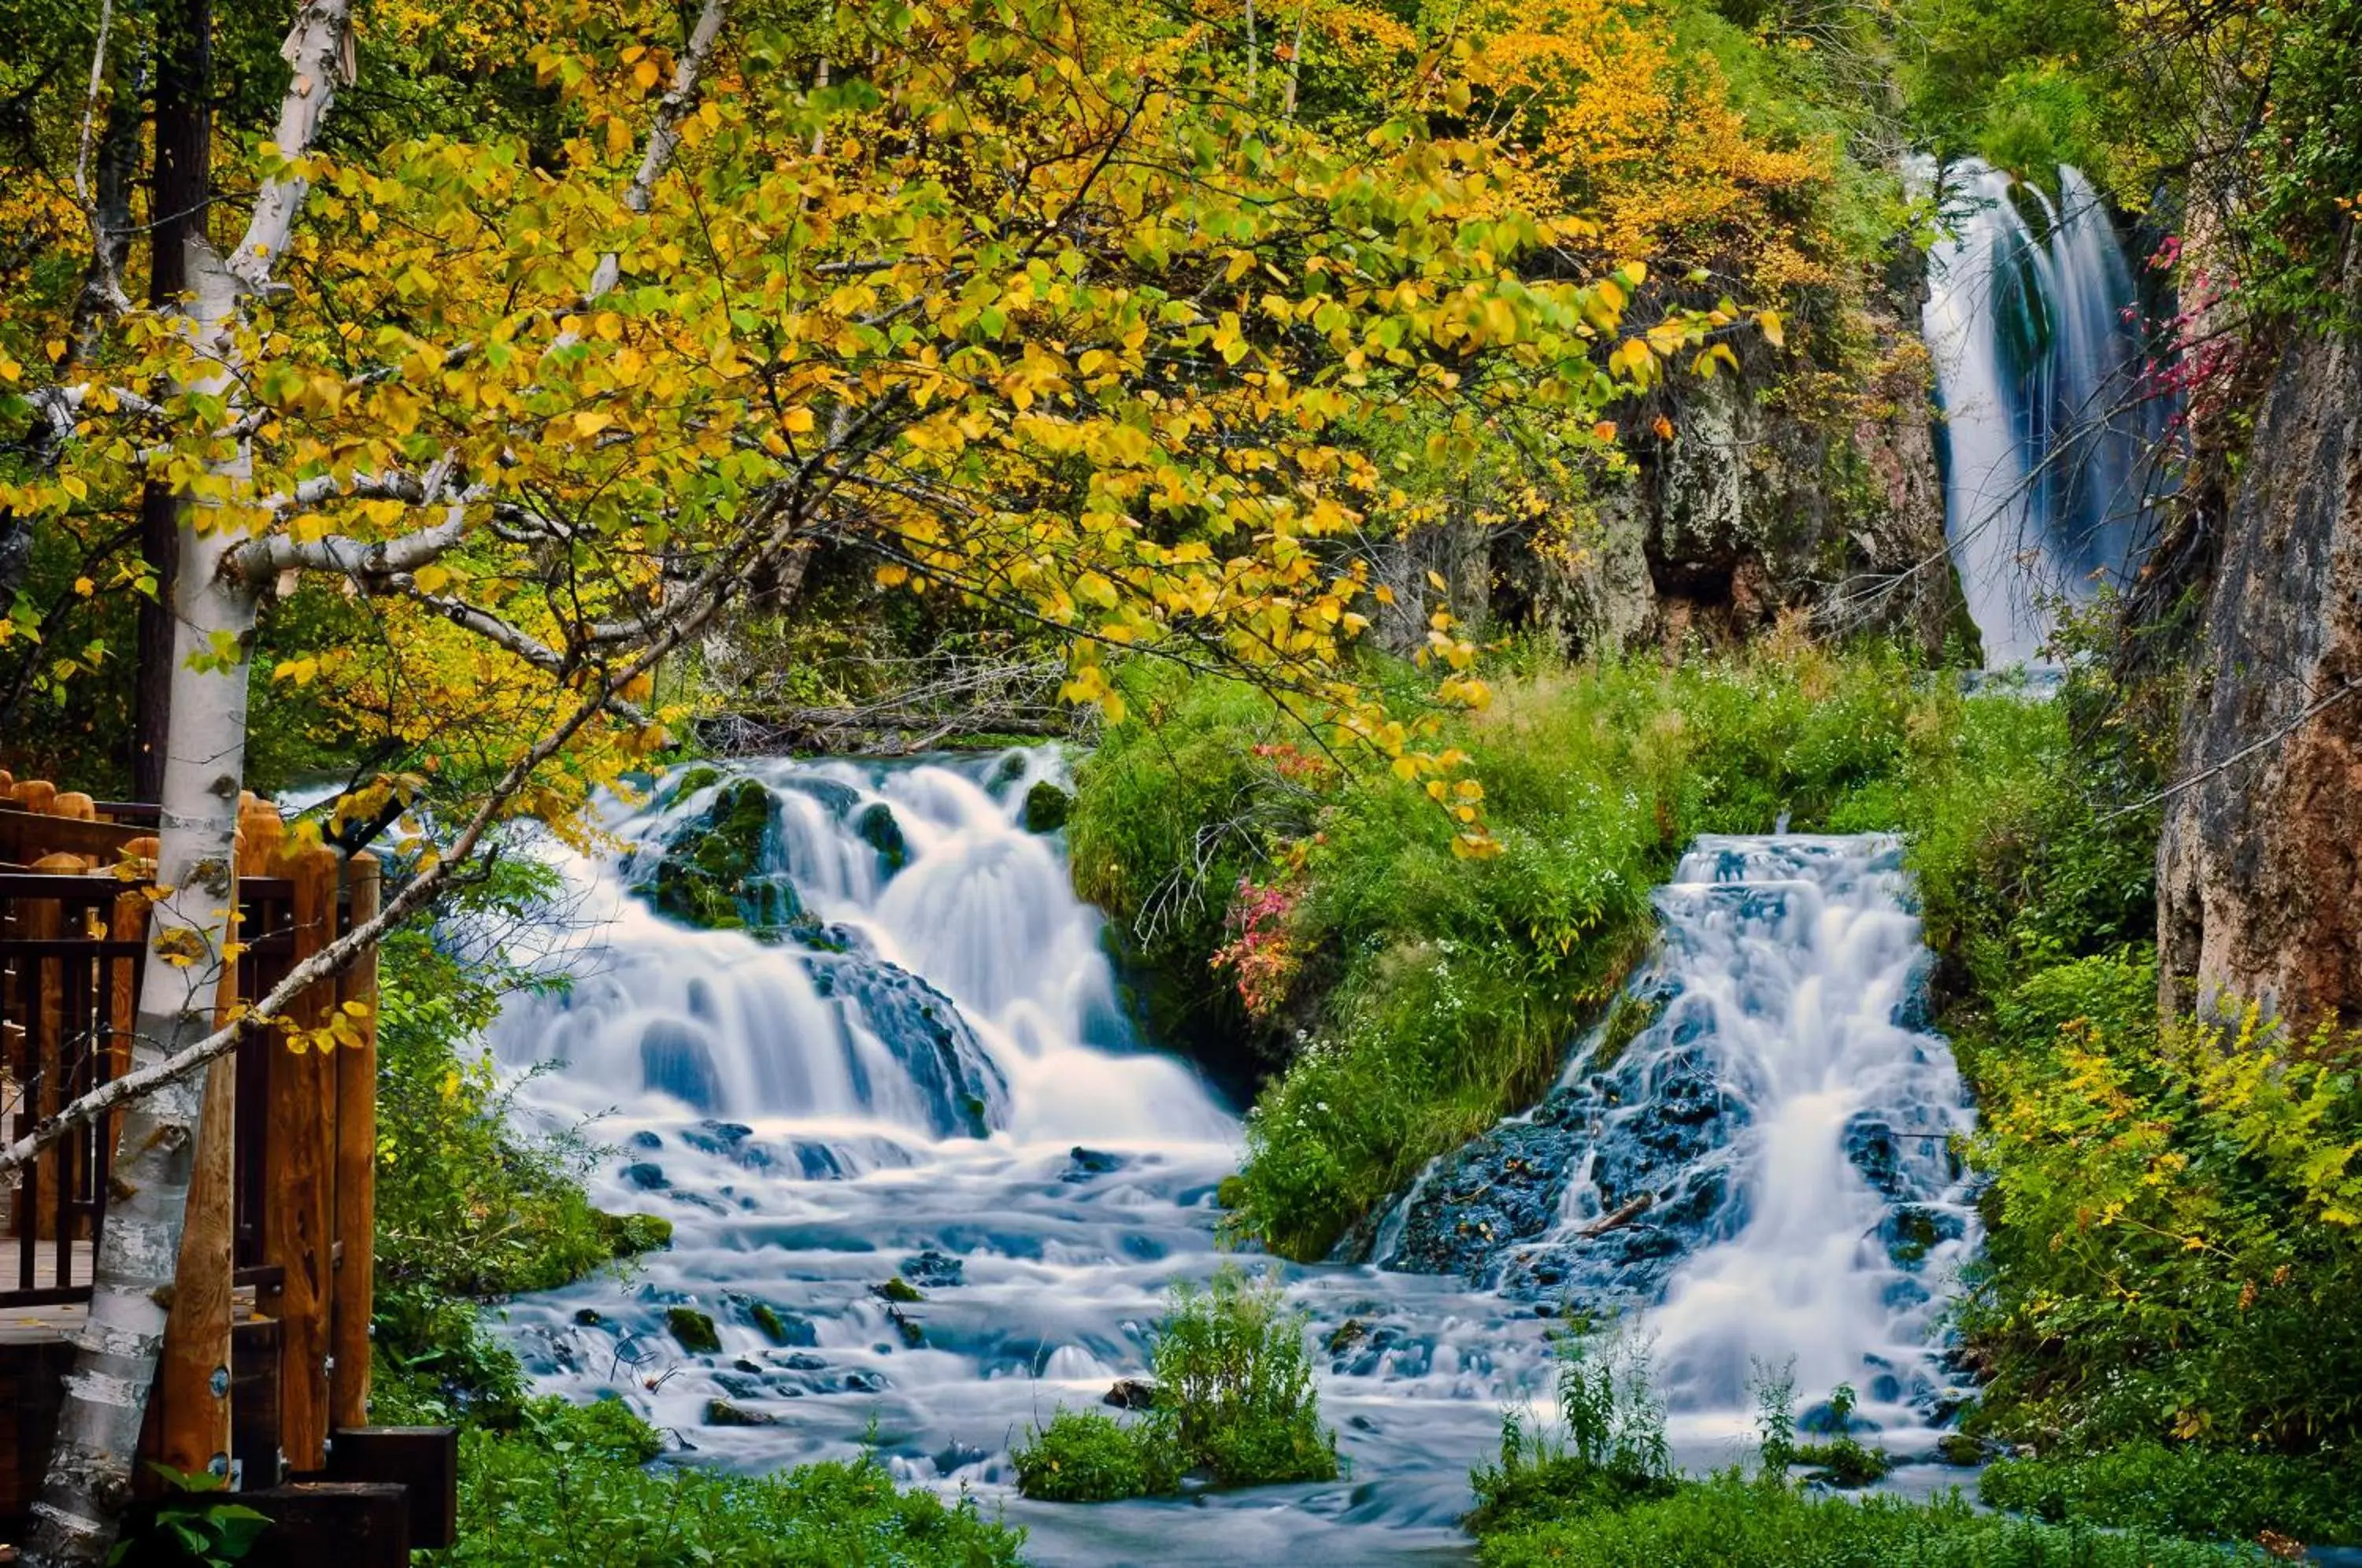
711	875
694	1330
629	1235
880	832
781	1328
897	1289
694	780
1046	808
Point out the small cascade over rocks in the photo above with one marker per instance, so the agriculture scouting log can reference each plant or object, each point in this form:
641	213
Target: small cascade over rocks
926	1186
2051	422
1764	1170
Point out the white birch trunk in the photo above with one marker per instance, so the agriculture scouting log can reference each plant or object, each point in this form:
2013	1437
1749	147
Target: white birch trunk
88	1480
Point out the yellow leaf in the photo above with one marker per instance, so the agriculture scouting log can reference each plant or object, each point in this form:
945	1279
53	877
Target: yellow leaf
590	421
431	579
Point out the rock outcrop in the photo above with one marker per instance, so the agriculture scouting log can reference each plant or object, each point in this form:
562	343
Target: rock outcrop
1788	487
2259	868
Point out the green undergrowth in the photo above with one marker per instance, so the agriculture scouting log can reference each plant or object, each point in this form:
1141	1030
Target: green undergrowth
571	1487
1596	1489
1734	1522
1402	1000
1233	1402
2185	1491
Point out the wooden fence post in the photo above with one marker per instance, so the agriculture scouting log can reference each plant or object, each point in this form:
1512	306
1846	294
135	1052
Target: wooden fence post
356	1168
299	1136
192	1381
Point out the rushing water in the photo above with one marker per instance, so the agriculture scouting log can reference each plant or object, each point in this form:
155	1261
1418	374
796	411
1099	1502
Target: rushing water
931	1075
2051	422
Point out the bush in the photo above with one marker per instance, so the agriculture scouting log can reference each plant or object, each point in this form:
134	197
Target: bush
1730	1523
1083	1456
1606	1451
2172	1251
2184	1490
571	1490
1234	1398
1234	1385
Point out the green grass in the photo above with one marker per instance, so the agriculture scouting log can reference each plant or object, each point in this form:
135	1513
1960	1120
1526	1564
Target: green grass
1730	1523
2186	1491
572	1489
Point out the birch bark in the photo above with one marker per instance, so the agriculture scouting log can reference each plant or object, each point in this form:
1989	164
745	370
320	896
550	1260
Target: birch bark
88	1480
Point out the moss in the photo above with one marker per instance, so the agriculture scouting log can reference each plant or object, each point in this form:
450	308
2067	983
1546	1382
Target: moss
694	1330
631	1234
696	779
780	1327
1046	808
711	875
880	832
898	1290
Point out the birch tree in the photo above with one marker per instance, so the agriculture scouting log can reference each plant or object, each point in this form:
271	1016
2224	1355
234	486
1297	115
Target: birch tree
1022	305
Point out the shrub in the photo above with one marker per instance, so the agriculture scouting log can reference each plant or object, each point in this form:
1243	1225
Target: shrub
1730	1523
1234	1398
1084	1456
1607	1451
2184	1490
2173	1251
1234	1385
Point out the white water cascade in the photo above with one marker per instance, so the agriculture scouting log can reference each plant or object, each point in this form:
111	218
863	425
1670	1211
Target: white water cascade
925	1074
2050	420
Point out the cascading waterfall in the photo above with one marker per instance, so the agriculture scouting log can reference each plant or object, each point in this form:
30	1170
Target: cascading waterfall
2050	426
1763	1173
914	1064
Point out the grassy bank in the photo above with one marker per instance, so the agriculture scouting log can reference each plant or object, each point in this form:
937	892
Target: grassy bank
1402	1000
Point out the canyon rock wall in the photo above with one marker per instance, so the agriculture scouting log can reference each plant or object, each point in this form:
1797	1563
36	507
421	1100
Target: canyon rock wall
2259	870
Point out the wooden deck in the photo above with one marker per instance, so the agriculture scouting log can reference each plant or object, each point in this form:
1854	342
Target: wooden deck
27	1325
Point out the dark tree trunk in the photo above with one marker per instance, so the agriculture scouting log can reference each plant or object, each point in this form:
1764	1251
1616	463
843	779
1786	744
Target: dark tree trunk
178	196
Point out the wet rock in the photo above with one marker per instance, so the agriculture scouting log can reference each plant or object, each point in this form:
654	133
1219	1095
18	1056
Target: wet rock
717	1137
714	872
913	1334
956	1457
1046	808
897	1290
1959	1449
838	800
960	1085
693	1329
1911	1230
781	1328
933	1270
1082	1164
858	1381
742	1364
645	1175
643	1139
1822	1419
1130	1394
879	830
802	1362
1348	1334
723	1413
676	1060
588	1317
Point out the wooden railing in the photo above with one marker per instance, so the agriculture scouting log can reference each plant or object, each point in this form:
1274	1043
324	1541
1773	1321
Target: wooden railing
267	1350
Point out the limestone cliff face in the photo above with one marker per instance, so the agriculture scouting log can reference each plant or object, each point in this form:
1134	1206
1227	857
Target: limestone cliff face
1789	486
1778	492
2259	871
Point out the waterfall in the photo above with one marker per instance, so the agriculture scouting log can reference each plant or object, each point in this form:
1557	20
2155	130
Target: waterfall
2049	428
914	1065
1763	1173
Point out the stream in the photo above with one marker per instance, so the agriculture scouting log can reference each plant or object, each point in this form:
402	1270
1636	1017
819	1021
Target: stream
931	1075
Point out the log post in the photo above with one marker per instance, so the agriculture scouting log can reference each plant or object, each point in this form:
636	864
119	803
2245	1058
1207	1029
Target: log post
298	1145
356	1174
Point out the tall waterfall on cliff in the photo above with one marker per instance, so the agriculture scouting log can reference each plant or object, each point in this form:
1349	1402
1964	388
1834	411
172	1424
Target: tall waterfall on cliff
2035	322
